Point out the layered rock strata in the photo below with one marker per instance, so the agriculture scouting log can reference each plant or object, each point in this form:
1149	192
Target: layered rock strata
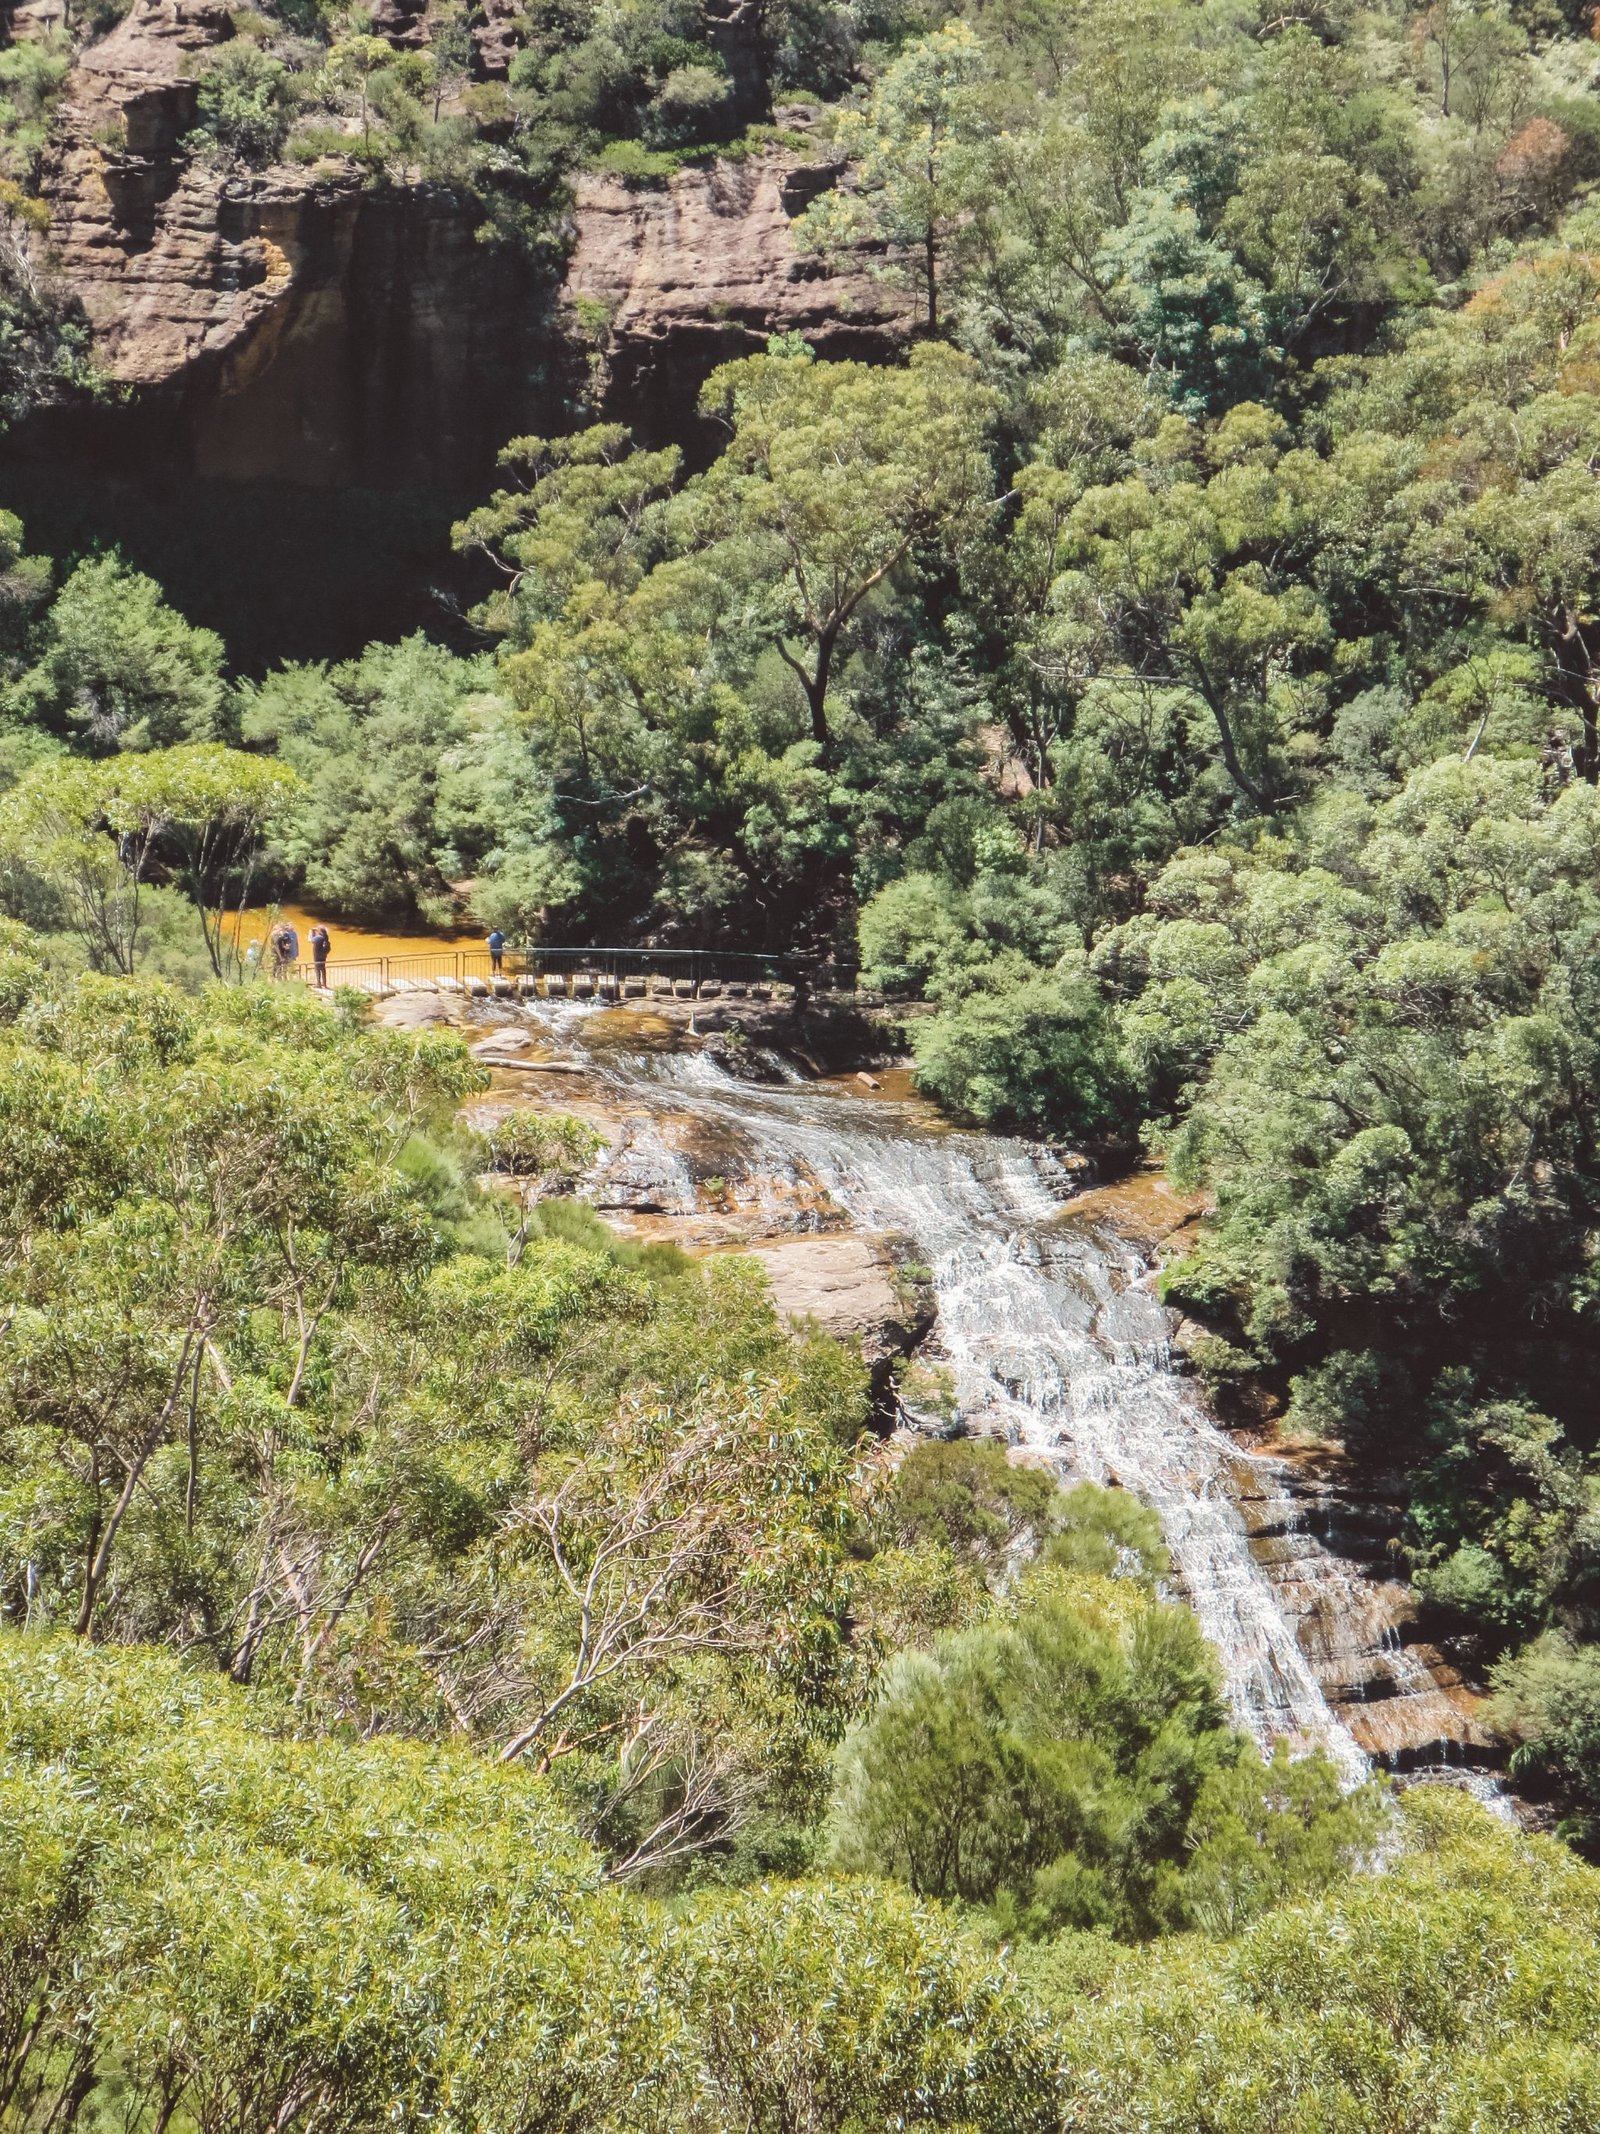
291	326
704	268
1324	1549
301	326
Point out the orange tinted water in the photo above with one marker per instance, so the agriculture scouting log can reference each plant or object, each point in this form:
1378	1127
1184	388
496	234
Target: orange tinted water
349	941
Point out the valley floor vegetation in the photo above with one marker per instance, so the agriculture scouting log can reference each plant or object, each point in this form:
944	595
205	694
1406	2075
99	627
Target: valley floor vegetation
1179	675
460	1667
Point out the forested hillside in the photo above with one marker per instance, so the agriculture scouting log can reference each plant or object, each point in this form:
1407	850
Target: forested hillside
462	1664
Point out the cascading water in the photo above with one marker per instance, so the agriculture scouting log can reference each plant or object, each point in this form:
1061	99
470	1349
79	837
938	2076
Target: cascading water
1053	1339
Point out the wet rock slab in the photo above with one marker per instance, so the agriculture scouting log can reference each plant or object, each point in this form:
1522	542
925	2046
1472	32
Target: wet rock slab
846	1284
1327	1558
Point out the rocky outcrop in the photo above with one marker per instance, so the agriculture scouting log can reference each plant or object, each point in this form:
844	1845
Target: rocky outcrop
318	372
1325	1548
149	54
704	268
133	232
847	1285
403	23
494	38
734	32
300	326
294	326
301	329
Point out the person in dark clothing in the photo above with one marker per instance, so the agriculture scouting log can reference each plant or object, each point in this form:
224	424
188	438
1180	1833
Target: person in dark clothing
497	949
320	945
285	949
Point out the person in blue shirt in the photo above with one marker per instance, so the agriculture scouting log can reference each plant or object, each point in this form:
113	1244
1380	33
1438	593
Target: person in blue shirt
497	948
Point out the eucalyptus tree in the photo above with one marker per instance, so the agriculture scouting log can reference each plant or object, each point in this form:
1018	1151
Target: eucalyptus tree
216	808
1368	2008
1381	1029
121	668
1193	574
833	474
212	1189
259	1402
56	828
578	514
1490	425
96	833
916	162
384	747
1067	1764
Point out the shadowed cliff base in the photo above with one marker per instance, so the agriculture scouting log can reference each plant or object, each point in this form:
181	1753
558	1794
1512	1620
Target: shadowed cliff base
280	572
312	431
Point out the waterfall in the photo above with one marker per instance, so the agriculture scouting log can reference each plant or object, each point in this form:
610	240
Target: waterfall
1053	1339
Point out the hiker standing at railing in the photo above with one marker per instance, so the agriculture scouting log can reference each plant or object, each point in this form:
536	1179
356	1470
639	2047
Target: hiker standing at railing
320	945
285	949
497	948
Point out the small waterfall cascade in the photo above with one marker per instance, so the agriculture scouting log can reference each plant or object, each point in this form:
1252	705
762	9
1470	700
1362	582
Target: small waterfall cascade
1054	1340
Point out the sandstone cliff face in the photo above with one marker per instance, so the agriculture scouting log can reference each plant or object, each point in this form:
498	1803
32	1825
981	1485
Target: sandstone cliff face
293	326
703	269
319	373
299	327
135	231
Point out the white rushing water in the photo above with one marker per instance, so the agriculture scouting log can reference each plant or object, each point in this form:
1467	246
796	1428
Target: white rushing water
1052	1337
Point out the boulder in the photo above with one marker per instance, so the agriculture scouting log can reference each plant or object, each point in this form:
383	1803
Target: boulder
846	1283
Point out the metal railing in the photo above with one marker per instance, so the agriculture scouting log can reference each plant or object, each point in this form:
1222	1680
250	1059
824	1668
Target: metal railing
380	973
572	973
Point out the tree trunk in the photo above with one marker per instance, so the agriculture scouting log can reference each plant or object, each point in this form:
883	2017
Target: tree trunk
817	690
1577	664
815	684
191	1492
1230	752
1236	770
100	1562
